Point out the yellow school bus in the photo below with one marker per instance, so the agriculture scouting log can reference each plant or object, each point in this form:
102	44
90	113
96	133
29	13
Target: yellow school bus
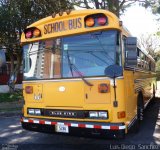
84	74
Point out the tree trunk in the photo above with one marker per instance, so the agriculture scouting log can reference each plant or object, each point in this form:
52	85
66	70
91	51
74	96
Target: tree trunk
113	6
11	85
96	4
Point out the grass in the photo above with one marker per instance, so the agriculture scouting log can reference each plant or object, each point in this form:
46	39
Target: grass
10	97
10	109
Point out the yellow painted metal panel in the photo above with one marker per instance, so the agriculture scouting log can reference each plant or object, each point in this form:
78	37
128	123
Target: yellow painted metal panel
60	25
92	96
64	94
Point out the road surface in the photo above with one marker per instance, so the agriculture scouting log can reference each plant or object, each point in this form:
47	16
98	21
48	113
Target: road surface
12	136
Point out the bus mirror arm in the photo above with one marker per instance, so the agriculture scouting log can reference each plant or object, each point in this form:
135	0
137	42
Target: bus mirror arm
114	71
115	102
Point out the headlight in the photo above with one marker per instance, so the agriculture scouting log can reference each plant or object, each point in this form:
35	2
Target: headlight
93	114
103	114
37	112
98	114
32	111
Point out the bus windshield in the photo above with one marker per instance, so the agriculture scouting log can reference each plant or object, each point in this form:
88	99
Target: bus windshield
69	57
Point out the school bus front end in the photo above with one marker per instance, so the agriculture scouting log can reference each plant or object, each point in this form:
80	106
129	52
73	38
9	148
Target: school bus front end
65	86
73	107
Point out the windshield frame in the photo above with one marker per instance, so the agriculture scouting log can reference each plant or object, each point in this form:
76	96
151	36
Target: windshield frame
117	46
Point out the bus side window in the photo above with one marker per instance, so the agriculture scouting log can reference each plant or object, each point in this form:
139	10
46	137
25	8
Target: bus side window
142	60
145	62
149	65
138	58
152	66
124	45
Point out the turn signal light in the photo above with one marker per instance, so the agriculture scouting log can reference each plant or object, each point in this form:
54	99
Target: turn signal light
29	89
121	114
103	88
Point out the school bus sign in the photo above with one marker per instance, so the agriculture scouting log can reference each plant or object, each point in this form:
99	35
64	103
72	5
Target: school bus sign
61	26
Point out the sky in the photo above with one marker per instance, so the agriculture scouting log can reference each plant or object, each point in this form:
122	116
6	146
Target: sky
139	20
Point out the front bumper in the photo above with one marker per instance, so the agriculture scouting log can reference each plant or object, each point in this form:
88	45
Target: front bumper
109	130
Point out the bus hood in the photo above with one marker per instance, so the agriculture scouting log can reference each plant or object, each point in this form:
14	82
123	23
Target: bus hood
68	93
74	94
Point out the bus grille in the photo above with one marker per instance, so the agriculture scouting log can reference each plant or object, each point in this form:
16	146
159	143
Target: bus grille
66	113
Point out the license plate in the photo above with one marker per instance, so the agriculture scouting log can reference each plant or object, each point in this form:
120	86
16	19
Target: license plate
61	128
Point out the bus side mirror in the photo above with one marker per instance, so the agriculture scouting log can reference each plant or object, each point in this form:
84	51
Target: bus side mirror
131	51
2	58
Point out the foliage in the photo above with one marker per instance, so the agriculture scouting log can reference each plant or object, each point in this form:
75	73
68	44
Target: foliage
155	6
15	15
158	65
150	43
10	97
116	6
157	58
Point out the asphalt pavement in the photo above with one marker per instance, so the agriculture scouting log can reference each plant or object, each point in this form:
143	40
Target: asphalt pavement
12	136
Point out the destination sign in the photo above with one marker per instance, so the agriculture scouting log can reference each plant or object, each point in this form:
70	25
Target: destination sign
61	26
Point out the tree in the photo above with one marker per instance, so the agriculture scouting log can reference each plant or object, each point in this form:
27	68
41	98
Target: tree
16	15
155	6
150	43
116	6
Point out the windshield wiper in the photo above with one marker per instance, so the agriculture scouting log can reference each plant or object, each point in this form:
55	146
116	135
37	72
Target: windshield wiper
80	74
72	66
69	62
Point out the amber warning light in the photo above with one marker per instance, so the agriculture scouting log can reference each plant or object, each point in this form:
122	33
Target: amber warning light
96	20
32	33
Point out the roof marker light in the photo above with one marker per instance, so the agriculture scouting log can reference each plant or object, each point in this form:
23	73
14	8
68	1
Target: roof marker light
54	15
60	13
120	23
68	11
